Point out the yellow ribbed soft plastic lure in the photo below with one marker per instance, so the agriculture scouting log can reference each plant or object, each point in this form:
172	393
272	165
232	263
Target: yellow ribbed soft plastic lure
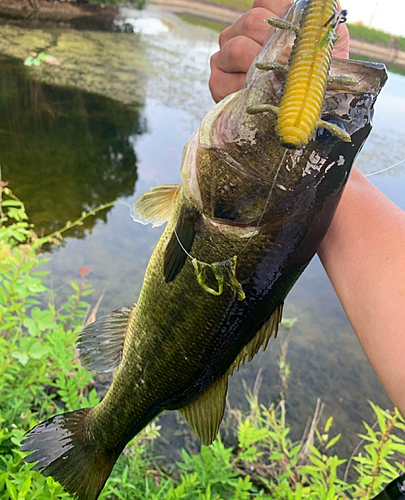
307	75
304	92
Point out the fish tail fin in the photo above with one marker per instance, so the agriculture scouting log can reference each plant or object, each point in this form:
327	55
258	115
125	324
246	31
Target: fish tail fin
63	449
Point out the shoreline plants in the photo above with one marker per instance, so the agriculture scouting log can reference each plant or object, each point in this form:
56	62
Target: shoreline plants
40	375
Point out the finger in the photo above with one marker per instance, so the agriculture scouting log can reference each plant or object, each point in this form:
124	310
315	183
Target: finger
341	48
237	55
222	84
279	7
251	24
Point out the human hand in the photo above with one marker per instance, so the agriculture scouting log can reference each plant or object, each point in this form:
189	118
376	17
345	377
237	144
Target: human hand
243	41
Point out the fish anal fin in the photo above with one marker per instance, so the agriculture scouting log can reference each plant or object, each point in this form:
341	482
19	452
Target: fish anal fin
180	242
101	343
205	414
262	337
156	205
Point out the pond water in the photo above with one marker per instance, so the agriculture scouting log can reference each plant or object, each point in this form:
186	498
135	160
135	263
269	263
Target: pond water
65	150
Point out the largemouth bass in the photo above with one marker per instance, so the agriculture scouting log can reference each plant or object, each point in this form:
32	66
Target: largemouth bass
241	228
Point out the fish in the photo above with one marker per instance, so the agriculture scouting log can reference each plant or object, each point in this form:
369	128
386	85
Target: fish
242	226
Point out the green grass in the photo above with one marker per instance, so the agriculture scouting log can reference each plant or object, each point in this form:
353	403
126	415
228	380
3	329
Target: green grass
233	4
207	23
372	35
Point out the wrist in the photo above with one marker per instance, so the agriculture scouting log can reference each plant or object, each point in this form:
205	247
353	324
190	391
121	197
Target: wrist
356	185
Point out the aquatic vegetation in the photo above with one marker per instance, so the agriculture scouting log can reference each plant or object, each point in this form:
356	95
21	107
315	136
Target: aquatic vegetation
116	54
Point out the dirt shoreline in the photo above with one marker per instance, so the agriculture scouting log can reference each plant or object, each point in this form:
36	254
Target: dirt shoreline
21	10
200	8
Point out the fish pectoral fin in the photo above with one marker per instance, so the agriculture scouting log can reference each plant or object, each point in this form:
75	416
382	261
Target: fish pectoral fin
101	343
180	243
156	205
262	337
205	414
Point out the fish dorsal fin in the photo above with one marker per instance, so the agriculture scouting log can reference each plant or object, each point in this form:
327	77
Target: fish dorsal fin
180	243
156	205
262	337
205	414
101	343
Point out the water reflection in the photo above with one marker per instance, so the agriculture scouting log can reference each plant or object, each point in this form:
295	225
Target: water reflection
64	151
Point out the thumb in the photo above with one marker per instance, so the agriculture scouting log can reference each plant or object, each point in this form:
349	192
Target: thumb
341	47
279	7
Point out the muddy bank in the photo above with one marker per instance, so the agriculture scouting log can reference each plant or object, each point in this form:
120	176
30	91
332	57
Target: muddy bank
387	55
40	12
204	10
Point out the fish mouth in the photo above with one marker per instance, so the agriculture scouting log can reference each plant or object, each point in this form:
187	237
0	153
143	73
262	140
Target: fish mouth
371	76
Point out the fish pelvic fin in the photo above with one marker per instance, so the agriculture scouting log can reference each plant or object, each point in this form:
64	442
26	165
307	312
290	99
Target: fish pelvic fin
62	448
205	414
101	343
156	205
261	339
180	242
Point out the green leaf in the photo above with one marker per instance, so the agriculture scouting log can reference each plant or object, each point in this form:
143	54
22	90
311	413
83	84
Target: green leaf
22	357
332	442
24	488
328	424
11	490
29	61
39	350
11	203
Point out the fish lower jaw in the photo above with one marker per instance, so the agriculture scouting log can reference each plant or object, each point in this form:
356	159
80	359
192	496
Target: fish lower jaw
232	230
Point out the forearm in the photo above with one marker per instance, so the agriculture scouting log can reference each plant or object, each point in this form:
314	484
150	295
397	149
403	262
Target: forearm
364	256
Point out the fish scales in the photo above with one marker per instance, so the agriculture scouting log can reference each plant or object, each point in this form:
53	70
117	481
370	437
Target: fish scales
241	228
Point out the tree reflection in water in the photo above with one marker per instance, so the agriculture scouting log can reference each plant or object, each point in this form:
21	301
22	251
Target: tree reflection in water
63	150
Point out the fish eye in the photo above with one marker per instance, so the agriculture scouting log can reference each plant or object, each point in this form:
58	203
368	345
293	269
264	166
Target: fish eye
324	136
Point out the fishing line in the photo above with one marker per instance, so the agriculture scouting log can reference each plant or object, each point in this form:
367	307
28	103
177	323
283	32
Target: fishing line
181	244
267	201
227	267
386	169
260	218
